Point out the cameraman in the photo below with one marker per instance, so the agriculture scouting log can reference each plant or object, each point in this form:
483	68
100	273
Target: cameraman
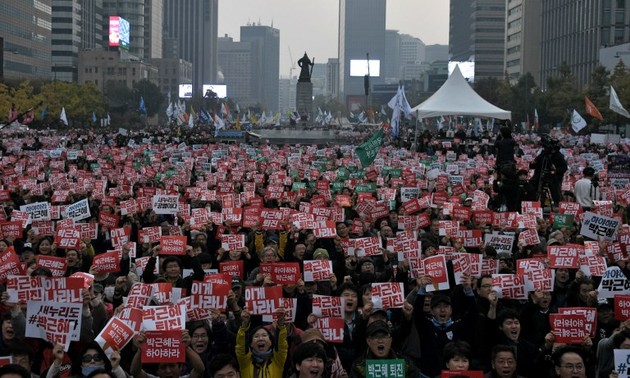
549	168
587	189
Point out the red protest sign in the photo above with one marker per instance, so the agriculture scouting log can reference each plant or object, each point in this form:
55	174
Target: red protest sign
172	245
568	329
590	314
233	268
11	229
262	300
57	265
9	263
462	373
561	256
483	217
108	220
116	334
163	347
251	216
331	328
622	307
325	229
282	273
108	262
528	237
68	238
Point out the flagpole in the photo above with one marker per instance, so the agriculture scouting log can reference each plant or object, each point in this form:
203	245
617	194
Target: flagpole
415	134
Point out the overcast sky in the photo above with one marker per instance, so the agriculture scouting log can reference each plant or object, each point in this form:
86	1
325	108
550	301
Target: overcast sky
425	19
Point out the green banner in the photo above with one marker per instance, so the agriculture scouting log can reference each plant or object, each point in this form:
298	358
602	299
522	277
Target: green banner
385	368
297	186
368	150
366	188
562	220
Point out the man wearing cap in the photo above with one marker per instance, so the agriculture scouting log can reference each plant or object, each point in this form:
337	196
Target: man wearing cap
441	328
379	341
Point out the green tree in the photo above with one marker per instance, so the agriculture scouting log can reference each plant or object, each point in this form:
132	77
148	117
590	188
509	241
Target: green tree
562	96
153	98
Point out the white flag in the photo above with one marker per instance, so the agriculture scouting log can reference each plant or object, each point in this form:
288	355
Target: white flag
577	122
63	117
615	104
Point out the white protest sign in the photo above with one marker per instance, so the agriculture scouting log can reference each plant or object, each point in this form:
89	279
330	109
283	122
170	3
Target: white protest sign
501	241
622	362
613	282
167	317
599	227
39	211
78	210
165	204
54	322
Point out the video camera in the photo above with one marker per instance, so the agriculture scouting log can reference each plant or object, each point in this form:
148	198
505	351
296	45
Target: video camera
549	144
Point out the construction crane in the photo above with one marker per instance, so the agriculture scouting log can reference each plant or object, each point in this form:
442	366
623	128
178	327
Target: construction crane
293	67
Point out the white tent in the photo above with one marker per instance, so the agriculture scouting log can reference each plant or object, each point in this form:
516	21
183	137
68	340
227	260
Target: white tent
456	97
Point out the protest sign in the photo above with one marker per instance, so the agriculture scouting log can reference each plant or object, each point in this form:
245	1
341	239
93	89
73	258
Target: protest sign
282	273
621	362
363	247
462	373
114	336
120	236
501	241
466	264
290	309
563	257
326	229
590	314
78	211
539	279
233	268
613	282
434	267
388	295
39	211
108	262
165	346
470	238
262	300
385	368
57	265
172	245
510	286
593	265
139	295
209	295
9	263
108	220
569	328
54	322
232	242
87	230
167	317
165	204
599	227
367	151
150	234
562	220
528	237
317	270
622	307
331	328
327	306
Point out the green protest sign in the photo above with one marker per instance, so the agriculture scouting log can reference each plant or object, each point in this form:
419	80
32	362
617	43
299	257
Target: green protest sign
366	188
368	150
385	368
296	186
562	220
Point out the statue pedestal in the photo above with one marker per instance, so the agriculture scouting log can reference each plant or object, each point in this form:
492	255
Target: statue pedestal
304	99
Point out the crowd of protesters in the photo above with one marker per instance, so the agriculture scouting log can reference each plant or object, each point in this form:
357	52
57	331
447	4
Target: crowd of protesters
467	327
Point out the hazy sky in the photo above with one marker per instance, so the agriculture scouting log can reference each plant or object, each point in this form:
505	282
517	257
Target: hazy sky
425	19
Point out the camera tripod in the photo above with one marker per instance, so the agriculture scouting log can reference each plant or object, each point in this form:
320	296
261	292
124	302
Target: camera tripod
543	191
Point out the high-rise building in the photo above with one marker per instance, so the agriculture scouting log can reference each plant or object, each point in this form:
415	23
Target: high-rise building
76	25
332	78
286	94
436	52
236	64
460	28
26	30
194	24
361	33
412	49
488	38
266	44
154	29
391	69
134	12
573	31
522	39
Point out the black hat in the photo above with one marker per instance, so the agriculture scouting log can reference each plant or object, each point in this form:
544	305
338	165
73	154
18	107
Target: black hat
376	327
204	258
440	298
381	312
308	350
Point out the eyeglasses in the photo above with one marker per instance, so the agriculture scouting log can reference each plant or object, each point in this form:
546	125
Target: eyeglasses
578	367
89	357
199	336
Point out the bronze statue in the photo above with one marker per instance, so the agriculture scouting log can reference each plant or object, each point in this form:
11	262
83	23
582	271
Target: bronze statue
305	73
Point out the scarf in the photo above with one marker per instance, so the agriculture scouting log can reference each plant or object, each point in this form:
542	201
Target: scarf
441	326
259	358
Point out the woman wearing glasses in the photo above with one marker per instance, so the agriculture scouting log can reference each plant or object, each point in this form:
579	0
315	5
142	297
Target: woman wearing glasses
92	359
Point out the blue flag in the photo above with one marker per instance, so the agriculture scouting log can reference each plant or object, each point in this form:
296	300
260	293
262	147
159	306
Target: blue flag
93	118
204	116
42	115
141	107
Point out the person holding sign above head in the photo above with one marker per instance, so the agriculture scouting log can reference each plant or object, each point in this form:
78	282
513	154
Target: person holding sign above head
379	341
256	351
167	369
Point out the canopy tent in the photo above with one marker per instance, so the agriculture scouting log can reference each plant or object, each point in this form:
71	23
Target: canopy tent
456	97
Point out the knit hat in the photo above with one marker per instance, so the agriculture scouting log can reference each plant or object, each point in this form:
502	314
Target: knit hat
319	252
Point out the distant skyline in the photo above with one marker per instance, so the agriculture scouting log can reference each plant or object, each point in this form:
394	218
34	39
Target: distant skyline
312	25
